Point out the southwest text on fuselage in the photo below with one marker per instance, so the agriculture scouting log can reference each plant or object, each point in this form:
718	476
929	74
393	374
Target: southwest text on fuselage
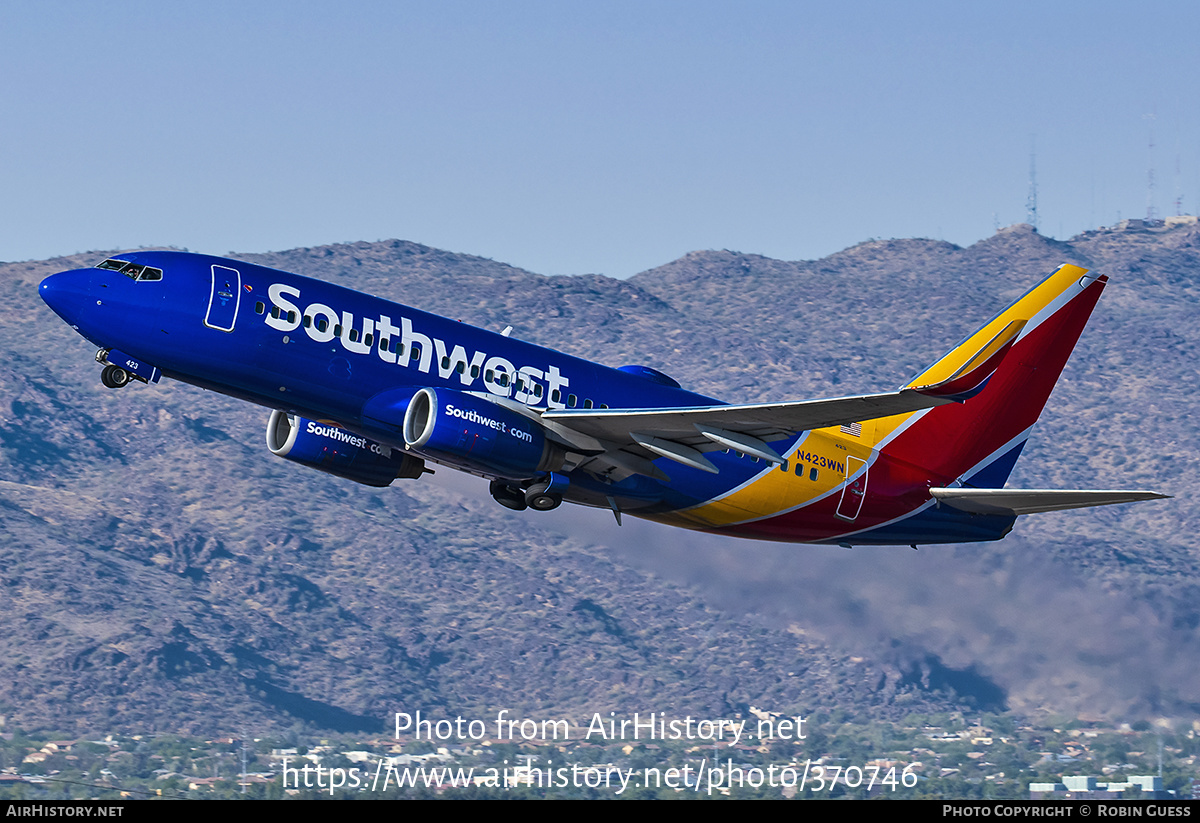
526	384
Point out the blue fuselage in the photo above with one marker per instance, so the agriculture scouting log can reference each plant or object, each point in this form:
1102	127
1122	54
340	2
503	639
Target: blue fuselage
321	351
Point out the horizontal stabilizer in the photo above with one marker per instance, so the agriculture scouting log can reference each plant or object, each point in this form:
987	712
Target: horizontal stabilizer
1030	501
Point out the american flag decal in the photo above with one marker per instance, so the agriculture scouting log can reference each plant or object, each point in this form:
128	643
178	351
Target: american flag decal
854	430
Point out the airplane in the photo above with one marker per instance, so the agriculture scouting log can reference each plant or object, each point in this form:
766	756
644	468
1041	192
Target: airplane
371	390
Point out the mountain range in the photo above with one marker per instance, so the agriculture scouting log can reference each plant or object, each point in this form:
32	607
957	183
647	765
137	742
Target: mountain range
160	570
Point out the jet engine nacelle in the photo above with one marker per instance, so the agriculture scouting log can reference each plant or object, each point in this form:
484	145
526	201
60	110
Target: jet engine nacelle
477	434
331	449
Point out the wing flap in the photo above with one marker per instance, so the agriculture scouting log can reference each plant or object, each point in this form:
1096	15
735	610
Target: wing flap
1031	501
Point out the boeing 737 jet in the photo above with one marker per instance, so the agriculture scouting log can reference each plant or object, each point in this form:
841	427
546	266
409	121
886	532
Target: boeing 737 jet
371	390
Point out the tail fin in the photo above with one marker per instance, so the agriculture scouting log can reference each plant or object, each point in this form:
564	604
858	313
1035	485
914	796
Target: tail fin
978	441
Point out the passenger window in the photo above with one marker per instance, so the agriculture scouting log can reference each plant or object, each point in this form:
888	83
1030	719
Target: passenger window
322	324
489	376
461	367
587	404
337	330
572	400
556	396
384	344
474	372
445	362
276	312
291	317
369	340
416	352
537	390
812	475
260	307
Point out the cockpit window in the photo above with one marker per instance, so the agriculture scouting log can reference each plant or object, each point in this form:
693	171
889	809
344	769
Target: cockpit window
131	270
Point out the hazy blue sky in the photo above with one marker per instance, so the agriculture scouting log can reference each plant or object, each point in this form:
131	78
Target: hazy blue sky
571	137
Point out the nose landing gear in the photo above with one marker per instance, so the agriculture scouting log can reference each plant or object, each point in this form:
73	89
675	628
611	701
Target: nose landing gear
115	376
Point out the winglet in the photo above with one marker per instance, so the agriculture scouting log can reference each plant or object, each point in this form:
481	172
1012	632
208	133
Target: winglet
972	376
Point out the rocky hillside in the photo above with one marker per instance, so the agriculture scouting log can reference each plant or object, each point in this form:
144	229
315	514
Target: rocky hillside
160	570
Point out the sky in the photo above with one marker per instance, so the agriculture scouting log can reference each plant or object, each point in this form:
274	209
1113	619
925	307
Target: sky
586	137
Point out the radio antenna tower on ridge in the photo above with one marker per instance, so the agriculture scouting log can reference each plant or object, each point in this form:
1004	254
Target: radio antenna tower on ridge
1178	178
1151	211
1031	211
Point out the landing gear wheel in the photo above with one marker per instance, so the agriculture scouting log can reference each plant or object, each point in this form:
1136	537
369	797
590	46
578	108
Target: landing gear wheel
508	496
538	497
114	377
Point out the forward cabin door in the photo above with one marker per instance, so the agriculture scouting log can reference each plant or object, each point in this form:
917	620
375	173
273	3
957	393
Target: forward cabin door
224	298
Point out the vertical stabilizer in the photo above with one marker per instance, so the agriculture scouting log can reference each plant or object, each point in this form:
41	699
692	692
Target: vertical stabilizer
977	442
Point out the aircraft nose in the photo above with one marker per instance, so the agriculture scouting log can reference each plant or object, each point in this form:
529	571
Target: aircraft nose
67	293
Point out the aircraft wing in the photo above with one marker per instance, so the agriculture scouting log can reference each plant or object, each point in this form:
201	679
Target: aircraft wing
624	438
621	440
759	420
1030	501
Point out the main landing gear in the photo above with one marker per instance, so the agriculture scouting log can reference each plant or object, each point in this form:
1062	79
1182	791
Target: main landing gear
510	497
115	377
537	497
